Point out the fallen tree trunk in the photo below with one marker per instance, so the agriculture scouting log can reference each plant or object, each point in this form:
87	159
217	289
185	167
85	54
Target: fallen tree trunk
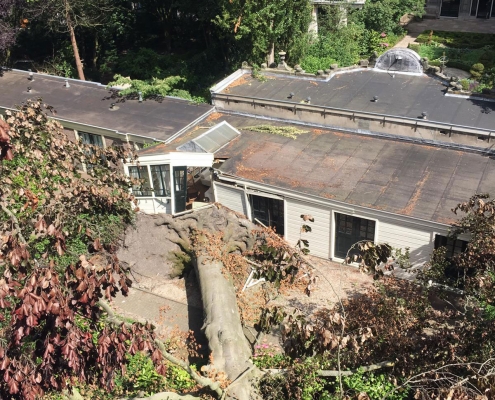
222	326
230	350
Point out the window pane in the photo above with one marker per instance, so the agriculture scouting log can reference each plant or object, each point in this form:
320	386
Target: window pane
160	174
143	188
453	247
89	138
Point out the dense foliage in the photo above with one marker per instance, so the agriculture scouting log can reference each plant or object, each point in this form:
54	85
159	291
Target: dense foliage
434	341
7	28
198	41
58	232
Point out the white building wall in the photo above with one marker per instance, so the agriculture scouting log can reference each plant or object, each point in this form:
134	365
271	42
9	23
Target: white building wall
319	237
401	235
231	197
155	205
395	232
398	231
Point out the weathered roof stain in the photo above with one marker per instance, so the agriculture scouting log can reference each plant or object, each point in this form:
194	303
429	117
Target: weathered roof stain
400	177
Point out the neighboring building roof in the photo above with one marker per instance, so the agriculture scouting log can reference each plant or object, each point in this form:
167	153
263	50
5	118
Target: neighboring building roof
85	103
405	178
398	95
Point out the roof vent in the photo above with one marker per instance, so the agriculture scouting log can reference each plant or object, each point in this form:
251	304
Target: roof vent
29	89
67	83
212	140
31	75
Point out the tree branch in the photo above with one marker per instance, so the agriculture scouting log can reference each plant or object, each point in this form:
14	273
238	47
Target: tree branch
15	221
367	368
214	386
328	373
166	396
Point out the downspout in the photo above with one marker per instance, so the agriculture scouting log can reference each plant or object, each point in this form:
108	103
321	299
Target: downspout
248	205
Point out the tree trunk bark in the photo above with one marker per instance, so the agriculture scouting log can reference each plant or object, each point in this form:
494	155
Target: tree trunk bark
168	39
229	347
79	65
271	55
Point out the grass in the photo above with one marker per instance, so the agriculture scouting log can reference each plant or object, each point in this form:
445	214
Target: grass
462	49
459	40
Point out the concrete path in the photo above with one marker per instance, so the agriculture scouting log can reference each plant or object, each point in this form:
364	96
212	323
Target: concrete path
167	314
414	28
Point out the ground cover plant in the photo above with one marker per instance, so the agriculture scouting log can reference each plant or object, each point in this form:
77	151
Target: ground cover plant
459	40
471	52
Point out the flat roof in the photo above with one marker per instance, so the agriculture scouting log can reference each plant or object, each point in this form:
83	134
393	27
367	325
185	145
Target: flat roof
400	177
398	95
85	103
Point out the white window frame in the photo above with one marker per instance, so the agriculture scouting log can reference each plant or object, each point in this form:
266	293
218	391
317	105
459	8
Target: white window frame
333	227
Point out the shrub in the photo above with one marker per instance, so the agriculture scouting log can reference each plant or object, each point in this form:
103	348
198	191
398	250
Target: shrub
375	386
465	84
140	376
266	356
414	47
477	70
312	64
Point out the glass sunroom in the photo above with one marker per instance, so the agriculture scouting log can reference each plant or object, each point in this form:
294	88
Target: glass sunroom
170	183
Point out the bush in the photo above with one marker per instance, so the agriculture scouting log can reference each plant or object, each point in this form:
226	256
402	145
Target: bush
140	376
375	386
457	58
465	84
342	47
414	47
312	64
477	70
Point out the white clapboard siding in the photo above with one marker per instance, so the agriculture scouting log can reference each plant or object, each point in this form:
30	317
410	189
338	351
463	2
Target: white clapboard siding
319	237
163	206
155	206
231	197
399	234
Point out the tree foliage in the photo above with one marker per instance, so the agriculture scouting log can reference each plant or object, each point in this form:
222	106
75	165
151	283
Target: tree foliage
252	27
474	269
7	27
154	88
384	15
50	313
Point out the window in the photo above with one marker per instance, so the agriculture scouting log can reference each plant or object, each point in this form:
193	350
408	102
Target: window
450	8
143	188
93	140
160	175
349	231
90	138
453	247
270	212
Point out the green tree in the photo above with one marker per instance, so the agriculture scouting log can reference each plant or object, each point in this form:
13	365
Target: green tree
67	16
256	29
384	15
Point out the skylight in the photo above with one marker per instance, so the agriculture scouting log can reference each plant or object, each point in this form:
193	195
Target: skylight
212	140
